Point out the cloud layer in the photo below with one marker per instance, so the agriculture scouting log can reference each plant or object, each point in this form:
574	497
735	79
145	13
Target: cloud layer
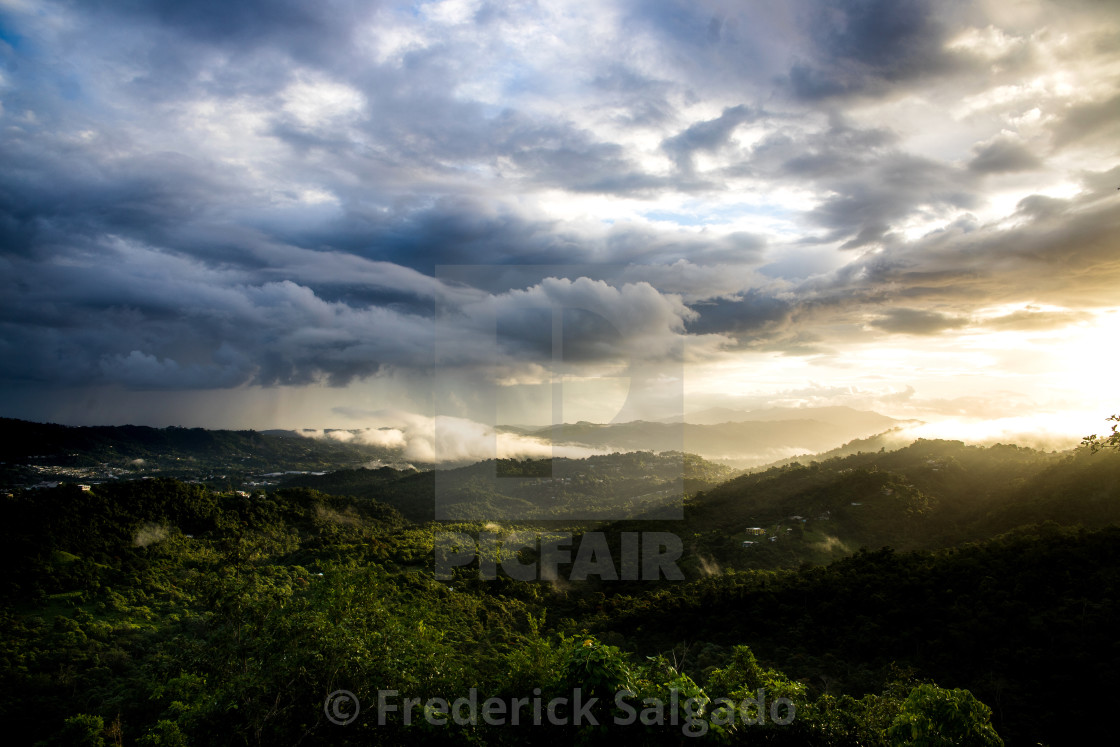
260	195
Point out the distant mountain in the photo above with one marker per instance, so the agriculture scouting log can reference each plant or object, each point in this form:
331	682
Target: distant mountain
889	440
844	417
737	438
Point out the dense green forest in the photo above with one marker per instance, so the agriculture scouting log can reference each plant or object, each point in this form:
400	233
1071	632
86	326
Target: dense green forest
937	594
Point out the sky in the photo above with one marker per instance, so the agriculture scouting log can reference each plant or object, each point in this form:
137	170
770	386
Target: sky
340	214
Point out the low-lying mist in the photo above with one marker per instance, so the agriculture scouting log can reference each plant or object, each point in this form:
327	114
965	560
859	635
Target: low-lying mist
428	440
1042	432
422	439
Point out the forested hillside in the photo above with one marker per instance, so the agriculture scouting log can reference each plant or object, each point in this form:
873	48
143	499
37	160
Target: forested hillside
49	452
931	494
626	484
155	612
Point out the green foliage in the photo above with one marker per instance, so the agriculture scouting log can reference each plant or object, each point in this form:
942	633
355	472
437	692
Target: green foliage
743	677
164	734
1111	441
178	614
935	717
598	668
82	730
931	494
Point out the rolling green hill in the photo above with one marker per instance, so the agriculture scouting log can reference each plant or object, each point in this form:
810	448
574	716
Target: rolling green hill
543	489
974	589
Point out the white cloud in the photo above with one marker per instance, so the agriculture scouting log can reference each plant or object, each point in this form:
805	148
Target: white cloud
443	439
317	101
989	43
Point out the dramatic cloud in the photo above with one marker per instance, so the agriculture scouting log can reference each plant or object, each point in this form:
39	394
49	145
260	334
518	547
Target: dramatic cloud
869	46
858	196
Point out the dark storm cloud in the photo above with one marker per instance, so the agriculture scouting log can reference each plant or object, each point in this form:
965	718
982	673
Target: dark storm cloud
764	321
205	195
748	317
421	132
813	50
870	46
128	313
464	230
871	201
834	152
145	319
55	192
871	184
425	136
1061	252
303	29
